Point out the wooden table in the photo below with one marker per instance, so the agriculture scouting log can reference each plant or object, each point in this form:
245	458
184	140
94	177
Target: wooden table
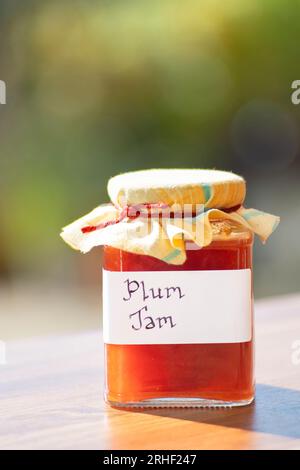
51	397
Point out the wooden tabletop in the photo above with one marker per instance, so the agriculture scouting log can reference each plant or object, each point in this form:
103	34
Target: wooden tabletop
51	397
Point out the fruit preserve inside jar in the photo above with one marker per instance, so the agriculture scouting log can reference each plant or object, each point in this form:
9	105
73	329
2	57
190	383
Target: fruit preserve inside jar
216	372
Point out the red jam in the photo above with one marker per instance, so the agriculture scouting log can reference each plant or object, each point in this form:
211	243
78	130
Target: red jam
208	371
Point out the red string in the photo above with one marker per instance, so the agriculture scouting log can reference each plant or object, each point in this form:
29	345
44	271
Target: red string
133	212
130	212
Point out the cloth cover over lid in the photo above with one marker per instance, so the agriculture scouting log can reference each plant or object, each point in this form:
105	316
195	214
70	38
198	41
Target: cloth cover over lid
213	188
220	193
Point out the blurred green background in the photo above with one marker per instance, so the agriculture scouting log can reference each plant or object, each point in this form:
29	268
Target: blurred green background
95	88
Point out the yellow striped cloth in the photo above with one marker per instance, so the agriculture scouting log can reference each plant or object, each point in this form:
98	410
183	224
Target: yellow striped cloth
162	238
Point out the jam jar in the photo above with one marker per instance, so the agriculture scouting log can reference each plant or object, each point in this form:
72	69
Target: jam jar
177	287
219	373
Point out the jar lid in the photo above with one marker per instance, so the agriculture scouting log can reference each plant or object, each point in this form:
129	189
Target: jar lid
213	188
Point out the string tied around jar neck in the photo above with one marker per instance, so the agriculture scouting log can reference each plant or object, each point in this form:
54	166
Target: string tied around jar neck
149	210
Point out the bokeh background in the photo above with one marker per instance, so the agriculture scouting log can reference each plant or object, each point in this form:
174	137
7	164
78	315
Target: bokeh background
95	88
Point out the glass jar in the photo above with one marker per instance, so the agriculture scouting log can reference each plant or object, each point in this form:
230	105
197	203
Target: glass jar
213	373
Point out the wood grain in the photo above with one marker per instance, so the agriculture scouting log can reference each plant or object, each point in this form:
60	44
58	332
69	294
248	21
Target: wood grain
51	397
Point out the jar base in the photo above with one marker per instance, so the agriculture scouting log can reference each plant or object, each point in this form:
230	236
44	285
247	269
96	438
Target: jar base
181	403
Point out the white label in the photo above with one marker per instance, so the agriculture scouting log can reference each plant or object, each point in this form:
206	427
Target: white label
177	307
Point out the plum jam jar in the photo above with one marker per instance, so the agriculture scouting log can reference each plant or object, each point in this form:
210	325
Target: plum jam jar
216	369
177	287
